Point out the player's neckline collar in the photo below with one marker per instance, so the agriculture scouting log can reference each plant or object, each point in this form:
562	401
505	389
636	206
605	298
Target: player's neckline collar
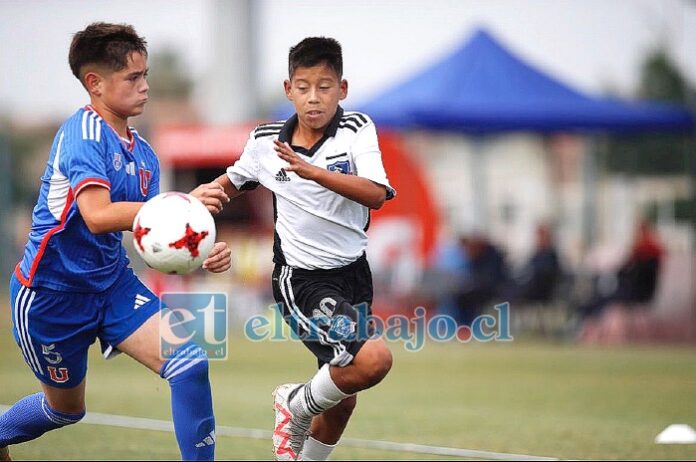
128	143
330	131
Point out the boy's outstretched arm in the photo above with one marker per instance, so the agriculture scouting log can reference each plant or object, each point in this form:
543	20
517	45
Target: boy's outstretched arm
103	216
358	189
212	195
227	186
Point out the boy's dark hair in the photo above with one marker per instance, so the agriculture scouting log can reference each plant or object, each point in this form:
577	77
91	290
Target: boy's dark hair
316	50
104	44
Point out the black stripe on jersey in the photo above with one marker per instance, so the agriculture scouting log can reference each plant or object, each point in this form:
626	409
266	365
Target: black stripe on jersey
279	123
347	125
266	132
249	185
278	255
270	128
359	121
337	156
360	116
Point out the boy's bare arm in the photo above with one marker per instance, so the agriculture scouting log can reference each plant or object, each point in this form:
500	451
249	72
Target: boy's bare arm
229	188
103	216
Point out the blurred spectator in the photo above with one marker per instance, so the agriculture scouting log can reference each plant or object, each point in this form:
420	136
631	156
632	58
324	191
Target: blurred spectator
449	267
487	276
539	277
636	279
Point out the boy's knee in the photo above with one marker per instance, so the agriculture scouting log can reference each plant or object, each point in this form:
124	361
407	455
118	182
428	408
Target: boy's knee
188	362
375	364
381	365
63	417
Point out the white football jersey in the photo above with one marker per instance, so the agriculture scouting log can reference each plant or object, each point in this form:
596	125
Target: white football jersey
315	228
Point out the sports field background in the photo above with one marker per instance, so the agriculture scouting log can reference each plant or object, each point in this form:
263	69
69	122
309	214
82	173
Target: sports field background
526	397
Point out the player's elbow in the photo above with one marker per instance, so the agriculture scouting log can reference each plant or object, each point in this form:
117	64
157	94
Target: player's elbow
377	204
378	195
378	201
94	224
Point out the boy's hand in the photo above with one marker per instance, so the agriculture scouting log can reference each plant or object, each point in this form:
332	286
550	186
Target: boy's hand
298	165
212	195
220	258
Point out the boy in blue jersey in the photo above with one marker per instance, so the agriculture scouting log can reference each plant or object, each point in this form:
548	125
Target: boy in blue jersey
73	284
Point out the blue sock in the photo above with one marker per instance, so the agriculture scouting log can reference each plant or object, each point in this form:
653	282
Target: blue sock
192	404
30	418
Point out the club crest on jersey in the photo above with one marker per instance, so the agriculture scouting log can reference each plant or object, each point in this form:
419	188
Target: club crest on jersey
145	176
341	166
118	161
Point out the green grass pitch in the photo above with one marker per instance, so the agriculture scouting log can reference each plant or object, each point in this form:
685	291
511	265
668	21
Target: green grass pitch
525	398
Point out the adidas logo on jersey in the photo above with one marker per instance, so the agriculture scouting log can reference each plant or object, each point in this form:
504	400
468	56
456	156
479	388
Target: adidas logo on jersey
282	175
140	300
207	441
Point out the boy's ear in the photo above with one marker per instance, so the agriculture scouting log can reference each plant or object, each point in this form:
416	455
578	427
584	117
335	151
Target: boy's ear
344	89
286	85
93	83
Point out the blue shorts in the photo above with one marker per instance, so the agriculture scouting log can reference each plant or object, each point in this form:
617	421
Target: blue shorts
55	329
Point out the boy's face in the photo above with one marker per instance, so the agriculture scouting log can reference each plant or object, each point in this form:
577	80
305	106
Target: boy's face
124	92
315	91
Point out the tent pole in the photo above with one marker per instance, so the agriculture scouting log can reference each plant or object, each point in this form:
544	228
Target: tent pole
589	194
478	186
692	168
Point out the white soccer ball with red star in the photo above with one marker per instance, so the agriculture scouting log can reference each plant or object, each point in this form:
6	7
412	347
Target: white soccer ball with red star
174	233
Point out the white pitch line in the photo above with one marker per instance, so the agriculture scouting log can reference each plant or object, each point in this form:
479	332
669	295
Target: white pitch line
141	423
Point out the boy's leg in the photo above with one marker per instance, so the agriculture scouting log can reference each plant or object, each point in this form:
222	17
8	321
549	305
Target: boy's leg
327	429
352	365
328	426
333	388
53	331
138	336
34	415
369	366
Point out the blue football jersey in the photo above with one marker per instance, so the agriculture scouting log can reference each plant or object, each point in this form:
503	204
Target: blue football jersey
61	253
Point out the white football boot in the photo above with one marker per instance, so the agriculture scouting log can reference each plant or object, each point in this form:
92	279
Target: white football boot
290	432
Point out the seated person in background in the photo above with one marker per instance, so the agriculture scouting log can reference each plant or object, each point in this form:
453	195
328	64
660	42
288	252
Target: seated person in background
636	279
487	275
538	279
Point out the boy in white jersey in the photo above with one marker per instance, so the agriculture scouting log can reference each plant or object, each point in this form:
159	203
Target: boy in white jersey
325	170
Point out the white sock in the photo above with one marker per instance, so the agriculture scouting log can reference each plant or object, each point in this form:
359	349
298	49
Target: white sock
317	395
316	450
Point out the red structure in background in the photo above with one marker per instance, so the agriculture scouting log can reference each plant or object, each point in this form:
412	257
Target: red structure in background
414	198
198	146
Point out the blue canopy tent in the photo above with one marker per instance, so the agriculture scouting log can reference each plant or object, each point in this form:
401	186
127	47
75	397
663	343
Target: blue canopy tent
484	88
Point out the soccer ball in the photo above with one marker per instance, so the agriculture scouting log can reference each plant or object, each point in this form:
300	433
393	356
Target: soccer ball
174	233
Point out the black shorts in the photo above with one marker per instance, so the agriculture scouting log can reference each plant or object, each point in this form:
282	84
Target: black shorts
327	309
